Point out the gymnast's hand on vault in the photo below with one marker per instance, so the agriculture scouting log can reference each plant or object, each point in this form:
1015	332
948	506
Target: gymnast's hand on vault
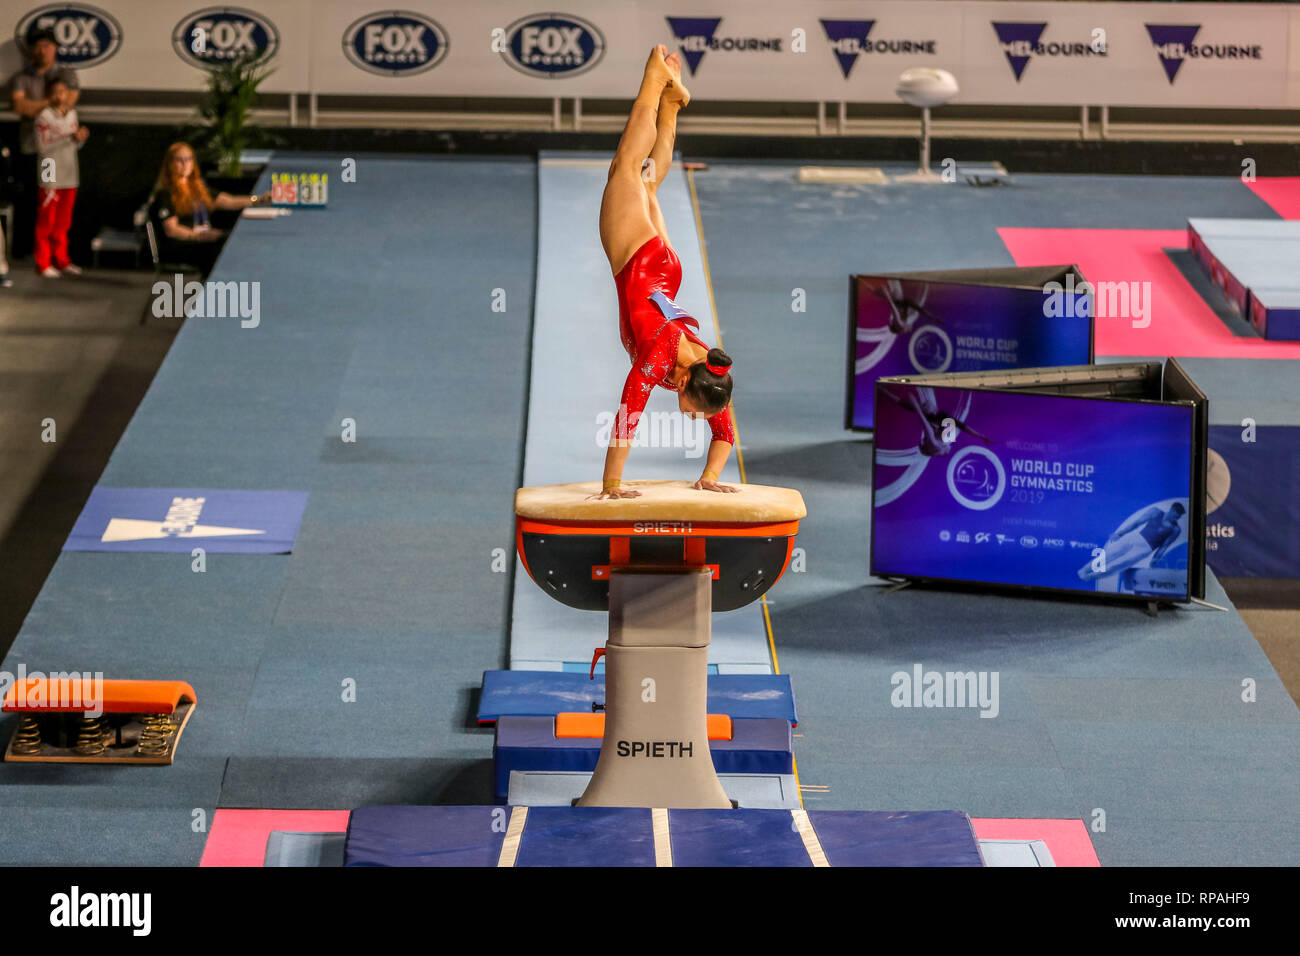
616	493
708	484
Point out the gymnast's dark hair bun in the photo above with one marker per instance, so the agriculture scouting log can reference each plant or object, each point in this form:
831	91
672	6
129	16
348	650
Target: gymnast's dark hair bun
708	391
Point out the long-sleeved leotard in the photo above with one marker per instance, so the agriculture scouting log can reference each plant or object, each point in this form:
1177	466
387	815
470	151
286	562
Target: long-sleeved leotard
651	326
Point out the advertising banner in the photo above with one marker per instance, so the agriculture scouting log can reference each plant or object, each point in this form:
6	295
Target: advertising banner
961	321
1253	491
1045	491
1121	54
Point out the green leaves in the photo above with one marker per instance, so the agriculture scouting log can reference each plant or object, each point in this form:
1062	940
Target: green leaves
226	128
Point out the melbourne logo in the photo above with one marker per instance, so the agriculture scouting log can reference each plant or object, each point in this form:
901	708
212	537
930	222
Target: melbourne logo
1175	44
181	521
850	39
976	478
218	35
1018	40
397	43
86	36
1022	41
553	45
847	39
698	35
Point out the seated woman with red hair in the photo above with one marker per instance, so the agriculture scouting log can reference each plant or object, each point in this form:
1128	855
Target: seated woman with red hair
181	207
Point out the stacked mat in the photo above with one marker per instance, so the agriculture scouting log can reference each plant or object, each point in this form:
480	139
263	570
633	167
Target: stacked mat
1257	264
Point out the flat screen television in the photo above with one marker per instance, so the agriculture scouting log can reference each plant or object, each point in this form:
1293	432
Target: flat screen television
1083	479
962	320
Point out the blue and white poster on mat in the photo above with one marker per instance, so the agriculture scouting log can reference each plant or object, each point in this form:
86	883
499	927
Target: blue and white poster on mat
182	519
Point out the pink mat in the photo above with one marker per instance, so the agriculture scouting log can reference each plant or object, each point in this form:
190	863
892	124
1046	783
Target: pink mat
1181	324
1280	192
1067	840
238	837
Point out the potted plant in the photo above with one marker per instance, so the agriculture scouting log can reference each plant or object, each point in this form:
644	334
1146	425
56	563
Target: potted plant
226	128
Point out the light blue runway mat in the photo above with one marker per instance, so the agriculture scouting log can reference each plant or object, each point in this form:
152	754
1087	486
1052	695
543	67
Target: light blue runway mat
578	369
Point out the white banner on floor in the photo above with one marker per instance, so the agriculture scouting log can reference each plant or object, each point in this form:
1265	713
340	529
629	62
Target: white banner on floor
1122	54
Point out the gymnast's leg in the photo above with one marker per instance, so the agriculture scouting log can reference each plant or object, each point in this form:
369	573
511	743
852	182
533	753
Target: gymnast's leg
661	157
625	217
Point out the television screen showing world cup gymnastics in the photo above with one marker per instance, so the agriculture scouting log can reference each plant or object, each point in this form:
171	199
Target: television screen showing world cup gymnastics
964	320
1036	490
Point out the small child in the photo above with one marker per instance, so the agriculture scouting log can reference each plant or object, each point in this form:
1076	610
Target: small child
58	137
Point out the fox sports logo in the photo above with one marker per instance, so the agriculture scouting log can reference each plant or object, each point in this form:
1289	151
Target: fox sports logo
397	43
553	45
85	35
218	35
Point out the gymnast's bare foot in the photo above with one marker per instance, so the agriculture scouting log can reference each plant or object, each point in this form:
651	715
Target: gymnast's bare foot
676	91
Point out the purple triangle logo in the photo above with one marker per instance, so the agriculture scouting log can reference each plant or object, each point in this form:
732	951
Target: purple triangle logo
1018	42
848	39
1171	41
694	34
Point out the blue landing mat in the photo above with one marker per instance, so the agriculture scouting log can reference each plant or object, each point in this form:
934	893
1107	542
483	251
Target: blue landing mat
547	693
607	836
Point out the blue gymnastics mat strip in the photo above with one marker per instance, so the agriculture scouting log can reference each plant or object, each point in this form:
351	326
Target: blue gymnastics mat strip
575	327
757	745
560	788
547	693
609	836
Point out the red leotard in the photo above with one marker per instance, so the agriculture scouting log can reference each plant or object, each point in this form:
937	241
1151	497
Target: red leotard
651	339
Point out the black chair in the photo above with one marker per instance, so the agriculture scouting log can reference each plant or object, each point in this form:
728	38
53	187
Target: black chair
160	265
110	239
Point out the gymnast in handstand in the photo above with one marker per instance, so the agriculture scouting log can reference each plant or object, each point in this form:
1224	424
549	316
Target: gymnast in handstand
647	274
